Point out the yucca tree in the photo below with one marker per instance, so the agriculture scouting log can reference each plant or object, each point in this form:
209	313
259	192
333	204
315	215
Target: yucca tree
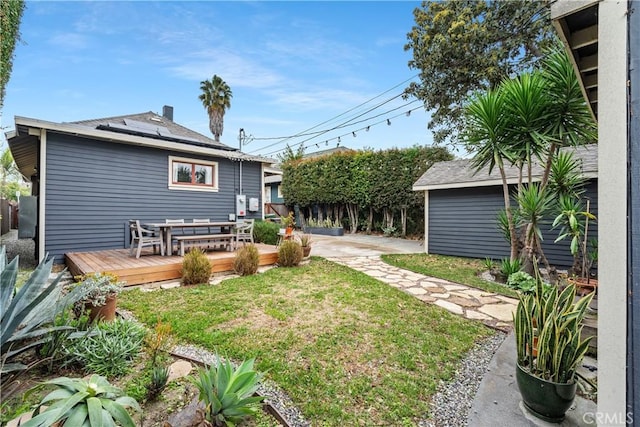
526	114
569	120
486	135
216	98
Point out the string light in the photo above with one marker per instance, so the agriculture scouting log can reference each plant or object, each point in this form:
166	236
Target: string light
339	137
354	134
408	113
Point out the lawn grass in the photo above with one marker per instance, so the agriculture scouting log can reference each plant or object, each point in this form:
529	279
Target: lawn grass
348	349
456	269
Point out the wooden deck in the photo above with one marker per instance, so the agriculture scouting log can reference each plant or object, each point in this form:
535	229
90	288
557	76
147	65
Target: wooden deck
149	267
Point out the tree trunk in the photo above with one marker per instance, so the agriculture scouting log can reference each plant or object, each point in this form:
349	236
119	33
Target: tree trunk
370	220
507	207
388	217
403	220
547	167
352	211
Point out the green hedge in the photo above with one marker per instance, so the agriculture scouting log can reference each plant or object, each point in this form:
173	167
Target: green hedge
266	232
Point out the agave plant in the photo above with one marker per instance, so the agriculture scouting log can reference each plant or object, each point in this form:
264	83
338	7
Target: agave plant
76	402
228	393
27	314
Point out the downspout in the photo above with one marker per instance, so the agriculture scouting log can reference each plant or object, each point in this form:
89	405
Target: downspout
42	194
426	221
633	246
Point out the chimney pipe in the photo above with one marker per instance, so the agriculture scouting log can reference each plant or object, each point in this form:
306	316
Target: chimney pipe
167	112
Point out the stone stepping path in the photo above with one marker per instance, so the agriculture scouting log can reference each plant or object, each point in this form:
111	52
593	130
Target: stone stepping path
492	309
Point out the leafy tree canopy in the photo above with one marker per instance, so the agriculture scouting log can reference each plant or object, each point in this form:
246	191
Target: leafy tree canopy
10	15
462	46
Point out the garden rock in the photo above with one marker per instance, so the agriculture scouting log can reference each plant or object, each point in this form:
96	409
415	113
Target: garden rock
179	369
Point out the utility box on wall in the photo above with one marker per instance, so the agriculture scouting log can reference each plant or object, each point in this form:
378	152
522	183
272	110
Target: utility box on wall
241	205
254	204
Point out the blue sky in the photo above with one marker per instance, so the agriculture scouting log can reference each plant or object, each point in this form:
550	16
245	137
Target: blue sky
290	65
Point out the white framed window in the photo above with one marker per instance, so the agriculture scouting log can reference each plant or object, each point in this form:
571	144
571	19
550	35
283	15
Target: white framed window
267	194
192	174
280	191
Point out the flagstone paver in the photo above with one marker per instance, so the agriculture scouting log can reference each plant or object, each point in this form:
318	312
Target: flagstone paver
492	309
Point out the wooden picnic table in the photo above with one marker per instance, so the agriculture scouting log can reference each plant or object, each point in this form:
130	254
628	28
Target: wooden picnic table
166	230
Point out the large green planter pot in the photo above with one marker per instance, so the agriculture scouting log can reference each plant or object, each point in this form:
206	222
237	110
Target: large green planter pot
545	399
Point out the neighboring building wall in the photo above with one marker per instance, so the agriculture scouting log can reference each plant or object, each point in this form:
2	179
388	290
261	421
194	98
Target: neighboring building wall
276	197
94	187
462	222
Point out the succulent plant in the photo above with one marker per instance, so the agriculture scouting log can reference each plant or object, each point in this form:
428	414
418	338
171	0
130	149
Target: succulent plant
77	402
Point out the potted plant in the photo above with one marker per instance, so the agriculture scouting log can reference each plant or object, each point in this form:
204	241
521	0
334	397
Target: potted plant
77	402
305	242
550	322
100	292
288	222
574	222
326	227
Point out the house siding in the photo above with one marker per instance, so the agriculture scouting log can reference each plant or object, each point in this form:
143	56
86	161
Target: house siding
274	194
94	187
462	222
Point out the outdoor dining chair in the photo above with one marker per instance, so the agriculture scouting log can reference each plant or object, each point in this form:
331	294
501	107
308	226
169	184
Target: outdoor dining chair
141	237
243	232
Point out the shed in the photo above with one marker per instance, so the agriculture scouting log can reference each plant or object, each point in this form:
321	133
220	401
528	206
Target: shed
461	209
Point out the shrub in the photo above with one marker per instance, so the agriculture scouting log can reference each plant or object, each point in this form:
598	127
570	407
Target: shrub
246	261
508	267
159	378
265	232
227	393
522	281
110	349
159	341
289	253
196	267
77	402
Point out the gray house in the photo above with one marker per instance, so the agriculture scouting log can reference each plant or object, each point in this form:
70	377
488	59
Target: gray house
90	177
461	209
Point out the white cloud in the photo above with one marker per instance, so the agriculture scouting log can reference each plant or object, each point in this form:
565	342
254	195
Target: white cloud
234	69
70	41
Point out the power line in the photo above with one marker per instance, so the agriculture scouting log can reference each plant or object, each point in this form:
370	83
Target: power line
306	131
353	133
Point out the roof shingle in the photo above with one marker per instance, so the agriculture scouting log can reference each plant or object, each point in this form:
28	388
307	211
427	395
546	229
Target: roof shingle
459	173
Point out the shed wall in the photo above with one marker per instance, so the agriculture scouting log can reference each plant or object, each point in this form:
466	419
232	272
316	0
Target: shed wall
462	222
94	187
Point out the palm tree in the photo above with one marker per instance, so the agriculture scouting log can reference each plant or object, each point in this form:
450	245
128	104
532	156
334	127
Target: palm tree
486	135
569	120
216	99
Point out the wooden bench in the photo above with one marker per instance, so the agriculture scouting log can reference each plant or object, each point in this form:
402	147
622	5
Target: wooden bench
201	239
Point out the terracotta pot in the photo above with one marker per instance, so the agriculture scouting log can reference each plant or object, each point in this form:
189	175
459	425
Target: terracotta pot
306	250
289	231
106	312
582	287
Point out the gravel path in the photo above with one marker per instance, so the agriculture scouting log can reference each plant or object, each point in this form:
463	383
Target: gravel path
24	248
452	402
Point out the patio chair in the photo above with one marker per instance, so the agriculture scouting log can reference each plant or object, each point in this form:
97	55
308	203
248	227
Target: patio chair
141	237
244	232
